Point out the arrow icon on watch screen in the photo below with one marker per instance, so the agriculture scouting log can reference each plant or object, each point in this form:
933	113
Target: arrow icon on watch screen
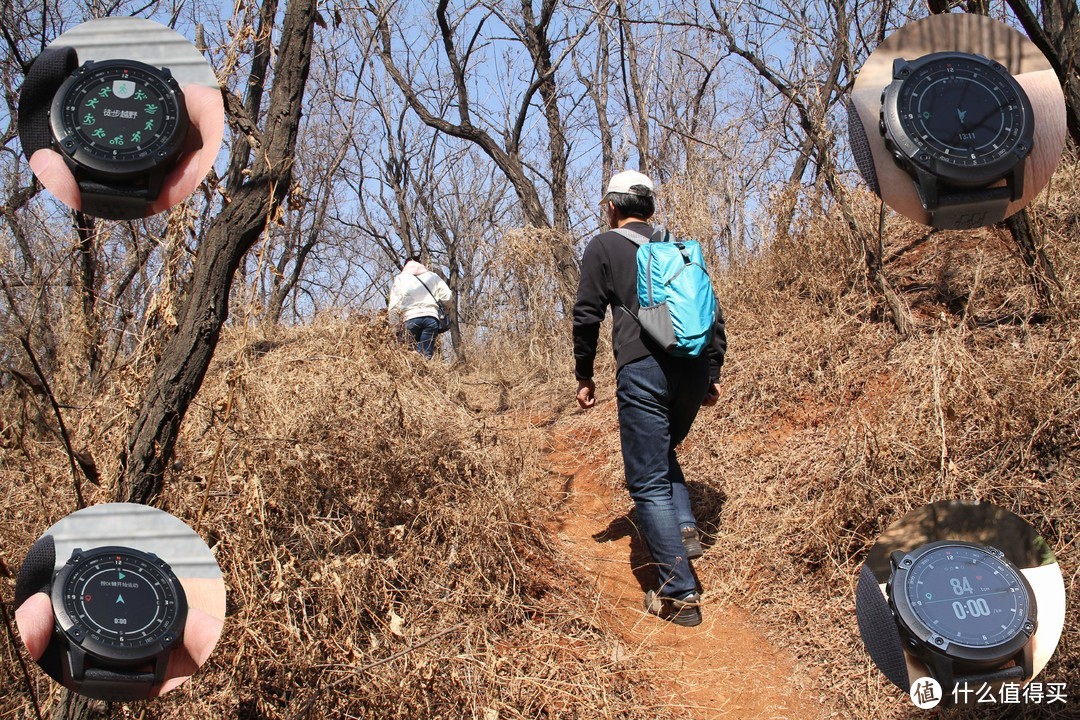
961	113
120	599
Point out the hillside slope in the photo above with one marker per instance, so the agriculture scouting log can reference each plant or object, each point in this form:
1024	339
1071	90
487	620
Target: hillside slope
389	528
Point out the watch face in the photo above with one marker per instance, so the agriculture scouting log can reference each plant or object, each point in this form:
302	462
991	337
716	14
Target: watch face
119	112
964	110
968	595
122	598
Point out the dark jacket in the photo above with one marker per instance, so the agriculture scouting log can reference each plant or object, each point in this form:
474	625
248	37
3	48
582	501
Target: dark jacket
609	277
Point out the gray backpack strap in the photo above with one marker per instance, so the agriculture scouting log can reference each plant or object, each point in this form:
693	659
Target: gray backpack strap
636	238
659	234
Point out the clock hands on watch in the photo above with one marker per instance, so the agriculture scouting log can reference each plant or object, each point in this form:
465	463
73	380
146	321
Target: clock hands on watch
955	157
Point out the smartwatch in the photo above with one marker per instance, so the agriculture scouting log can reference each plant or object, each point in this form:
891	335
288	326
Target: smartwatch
965	611
120	126
119	614
959	124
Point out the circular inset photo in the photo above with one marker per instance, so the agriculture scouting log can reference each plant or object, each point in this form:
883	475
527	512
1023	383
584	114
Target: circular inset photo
958	121
120	602
961	603
121	118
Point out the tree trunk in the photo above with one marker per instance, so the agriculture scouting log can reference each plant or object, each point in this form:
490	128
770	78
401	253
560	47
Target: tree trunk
87	284
1028	240
635	93
73	705
179	374
1058	37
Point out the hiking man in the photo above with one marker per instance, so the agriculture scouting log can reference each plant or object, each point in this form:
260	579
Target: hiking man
658	394
416	296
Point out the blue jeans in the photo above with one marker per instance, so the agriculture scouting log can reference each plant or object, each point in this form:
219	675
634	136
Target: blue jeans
424	330
658	402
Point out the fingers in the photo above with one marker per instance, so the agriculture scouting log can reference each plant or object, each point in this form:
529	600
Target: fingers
206	112
56	176
35	620
201	633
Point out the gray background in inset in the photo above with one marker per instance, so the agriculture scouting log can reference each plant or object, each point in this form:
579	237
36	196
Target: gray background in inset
140	527
128	38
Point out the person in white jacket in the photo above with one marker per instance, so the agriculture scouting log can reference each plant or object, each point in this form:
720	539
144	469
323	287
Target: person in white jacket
414	299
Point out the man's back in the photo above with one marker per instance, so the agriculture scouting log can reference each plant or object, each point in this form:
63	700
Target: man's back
609	278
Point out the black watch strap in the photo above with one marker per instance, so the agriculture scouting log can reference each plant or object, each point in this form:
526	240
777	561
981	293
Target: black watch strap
878	629
1013	673
860	148
115	685
115	201
43	79
967	209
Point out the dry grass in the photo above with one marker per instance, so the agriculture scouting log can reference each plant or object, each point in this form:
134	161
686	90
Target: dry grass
834	427
381	542
380	520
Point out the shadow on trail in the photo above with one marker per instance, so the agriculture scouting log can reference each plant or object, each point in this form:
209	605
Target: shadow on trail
707	502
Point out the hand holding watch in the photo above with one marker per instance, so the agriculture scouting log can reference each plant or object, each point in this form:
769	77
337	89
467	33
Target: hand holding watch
964	610
119	614
118	138
120	126
962	127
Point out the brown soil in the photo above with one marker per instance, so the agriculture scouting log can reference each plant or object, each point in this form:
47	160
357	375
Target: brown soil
723	668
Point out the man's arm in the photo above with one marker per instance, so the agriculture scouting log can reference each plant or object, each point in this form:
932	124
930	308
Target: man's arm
718	346
717	350
589	311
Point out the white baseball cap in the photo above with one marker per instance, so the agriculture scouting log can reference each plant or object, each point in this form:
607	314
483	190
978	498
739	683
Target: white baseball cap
625	181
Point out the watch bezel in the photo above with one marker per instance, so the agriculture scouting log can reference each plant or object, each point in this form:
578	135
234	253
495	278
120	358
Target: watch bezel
108	655
920	636
914	157
67	142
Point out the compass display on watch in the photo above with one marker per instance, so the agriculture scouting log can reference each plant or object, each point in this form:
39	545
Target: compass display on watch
120	125
965	611
119	613
962	127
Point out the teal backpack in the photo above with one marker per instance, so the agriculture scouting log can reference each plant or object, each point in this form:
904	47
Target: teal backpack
675	296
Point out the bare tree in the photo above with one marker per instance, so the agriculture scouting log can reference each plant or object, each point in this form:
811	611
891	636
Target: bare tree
533	31
251	202
812	96
328	136
637	98
596	80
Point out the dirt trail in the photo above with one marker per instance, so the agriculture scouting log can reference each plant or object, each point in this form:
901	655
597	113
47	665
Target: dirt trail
723	668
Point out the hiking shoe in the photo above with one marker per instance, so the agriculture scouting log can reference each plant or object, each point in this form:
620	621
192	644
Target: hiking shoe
685	611
692	542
